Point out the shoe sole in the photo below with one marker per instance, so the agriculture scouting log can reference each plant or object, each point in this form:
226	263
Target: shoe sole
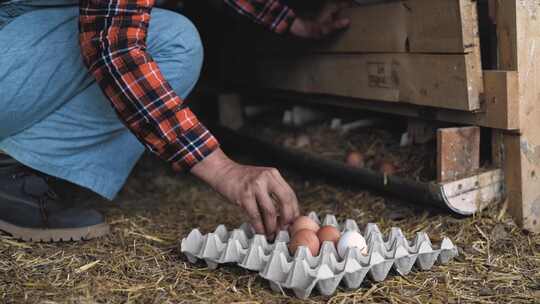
55	235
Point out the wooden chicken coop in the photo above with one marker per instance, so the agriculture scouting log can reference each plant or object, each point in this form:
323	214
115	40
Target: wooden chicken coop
424	59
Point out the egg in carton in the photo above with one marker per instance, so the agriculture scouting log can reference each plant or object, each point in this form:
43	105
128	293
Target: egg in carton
303	272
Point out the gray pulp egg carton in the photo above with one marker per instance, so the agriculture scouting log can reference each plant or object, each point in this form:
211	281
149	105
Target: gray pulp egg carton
304	272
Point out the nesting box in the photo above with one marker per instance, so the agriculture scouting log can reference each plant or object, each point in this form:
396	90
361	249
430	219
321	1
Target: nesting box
424	59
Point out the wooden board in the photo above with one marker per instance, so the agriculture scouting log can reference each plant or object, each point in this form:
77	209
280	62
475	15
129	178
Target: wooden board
458	153
422	52
501	108
518	27
416	26
499	120
444	81
443	26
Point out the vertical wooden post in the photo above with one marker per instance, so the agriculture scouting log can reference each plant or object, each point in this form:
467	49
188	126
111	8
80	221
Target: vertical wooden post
497	148
518	28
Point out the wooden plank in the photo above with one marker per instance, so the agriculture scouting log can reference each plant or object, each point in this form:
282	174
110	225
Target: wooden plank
417	26
507	27
479	118
492	6
444	81
497	148
366	34
518	26
443	26
458	152
502	100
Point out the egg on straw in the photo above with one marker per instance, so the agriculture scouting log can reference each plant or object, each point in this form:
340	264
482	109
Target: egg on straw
355	159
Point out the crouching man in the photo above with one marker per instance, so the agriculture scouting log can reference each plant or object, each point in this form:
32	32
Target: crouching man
86	86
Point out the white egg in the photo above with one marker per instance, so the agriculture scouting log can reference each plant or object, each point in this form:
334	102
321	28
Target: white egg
351	239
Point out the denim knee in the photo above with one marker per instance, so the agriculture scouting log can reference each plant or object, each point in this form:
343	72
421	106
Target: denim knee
175	44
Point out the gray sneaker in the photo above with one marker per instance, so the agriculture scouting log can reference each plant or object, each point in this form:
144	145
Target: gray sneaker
30	210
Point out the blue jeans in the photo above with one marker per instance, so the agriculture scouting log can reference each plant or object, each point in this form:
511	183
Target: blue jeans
53	116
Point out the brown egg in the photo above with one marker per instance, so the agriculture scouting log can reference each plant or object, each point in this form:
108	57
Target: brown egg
328	233
305	237
387	168
303	222
355	159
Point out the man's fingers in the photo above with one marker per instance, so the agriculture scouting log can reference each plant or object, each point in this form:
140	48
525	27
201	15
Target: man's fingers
252	210
285	197
292	194
342	23
269	195
286	212
333	25
296	208
268	210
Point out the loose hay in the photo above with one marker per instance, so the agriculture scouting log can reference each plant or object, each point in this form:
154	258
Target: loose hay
140	261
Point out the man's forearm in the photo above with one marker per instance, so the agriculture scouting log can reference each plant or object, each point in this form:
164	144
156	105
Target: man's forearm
211	167
113	44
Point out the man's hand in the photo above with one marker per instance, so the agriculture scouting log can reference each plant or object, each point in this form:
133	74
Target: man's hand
327	22
264	195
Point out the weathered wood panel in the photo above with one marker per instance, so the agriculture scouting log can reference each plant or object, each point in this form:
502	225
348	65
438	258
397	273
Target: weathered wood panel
501	108
518	26
423	52
499	111
443	26
416	26
445	81
458	153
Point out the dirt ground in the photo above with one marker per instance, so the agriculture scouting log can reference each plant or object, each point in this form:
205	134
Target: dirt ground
140	262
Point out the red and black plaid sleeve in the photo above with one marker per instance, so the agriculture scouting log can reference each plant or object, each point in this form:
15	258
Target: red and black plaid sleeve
113	43
270	13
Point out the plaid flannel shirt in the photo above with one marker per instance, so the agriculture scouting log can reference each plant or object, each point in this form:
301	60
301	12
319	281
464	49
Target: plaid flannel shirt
113	45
